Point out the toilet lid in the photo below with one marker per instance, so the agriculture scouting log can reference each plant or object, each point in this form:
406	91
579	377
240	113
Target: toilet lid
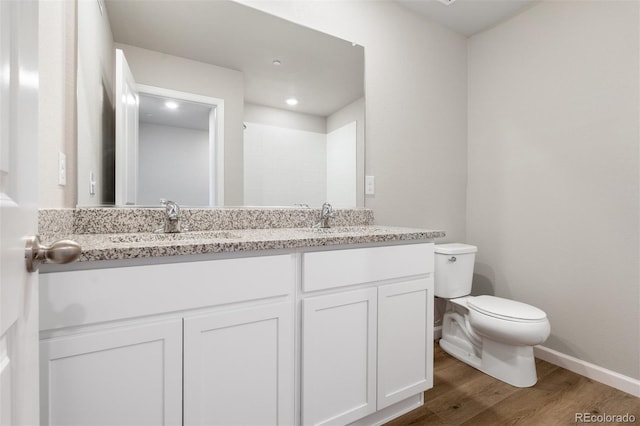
505	308
455	248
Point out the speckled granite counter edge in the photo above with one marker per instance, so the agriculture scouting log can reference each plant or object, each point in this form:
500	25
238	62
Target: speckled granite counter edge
101	246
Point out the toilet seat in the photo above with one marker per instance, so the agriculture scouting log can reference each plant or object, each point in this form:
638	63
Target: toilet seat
505	309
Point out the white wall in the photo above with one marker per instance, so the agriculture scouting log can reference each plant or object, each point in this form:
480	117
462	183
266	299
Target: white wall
56	115
341	166
173	164
172	72
553	172
353	112
95	80
284	118
284	166
337	162
416	103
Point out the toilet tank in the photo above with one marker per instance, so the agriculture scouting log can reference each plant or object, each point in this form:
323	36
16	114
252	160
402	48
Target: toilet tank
453	269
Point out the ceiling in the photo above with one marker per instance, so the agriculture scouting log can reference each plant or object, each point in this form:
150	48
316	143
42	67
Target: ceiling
323	72
189	115
467	17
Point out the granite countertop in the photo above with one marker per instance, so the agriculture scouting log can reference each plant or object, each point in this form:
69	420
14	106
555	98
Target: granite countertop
145	245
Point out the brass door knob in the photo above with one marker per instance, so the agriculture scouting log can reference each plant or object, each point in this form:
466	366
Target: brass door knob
61	251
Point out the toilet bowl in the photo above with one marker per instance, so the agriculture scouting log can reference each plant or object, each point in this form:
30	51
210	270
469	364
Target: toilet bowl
493	334
508	321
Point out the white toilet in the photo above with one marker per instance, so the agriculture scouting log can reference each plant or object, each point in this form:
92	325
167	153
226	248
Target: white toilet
492	334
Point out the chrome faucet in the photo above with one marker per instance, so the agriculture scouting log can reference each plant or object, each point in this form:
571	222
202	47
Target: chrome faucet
172	218
326	214
172	209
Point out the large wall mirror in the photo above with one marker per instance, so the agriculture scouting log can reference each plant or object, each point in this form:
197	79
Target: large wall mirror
213	103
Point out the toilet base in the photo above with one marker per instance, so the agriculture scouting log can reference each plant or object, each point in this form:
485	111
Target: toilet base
512	364
461	353
515	365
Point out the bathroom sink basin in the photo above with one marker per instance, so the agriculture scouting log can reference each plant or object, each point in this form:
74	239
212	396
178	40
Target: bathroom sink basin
181	236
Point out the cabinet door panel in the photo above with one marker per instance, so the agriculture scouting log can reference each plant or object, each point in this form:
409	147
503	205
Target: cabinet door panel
238	367
405	340
339	357
121	376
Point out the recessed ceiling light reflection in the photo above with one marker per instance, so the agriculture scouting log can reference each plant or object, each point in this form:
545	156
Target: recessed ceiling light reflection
292	102
171	105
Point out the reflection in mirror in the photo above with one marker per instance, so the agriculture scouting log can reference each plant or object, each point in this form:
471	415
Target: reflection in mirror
175	144
302	154
302	162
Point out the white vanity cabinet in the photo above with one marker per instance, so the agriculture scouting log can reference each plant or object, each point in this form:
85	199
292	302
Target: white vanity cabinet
366	348
289	337
121	346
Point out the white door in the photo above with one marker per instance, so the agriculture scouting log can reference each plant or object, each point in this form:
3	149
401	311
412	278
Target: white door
238	367
339	357
18	211
129	375
127	106
405	340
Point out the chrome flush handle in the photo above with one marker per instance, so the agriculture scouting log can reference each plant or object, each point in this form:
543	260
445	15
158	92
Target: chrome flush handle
452	259
62	251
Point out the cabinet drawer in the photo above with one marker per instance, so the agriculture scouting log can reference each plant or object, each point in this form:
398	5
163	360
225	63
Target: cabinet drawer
337	268
92	296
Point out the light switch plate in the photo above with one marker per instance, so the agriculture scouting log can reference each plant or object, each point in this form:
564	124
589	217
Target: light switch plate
369	185
62	169
92	183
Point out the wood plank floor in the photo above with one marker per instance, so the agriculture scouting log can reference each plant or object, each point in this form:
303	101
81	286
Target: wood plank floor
463	395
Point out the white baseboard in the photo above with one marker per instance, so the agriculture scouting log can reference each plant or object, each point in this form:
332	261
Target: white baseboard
391	412
592	371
